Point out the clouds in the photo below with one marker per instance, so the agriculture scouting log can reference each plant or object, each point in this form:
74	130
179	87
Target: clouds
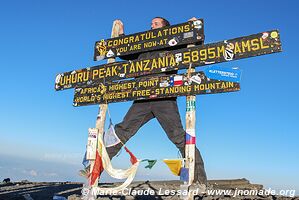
18	169
29	172
63	158
38	173
51	174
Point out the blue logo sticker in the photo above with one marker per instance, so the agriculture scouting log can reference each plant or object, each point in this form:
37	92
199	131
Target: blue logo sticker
231	74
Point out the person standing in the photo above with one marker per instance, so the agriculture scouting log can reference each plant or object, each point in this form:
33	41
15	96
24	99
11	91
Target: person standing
164	110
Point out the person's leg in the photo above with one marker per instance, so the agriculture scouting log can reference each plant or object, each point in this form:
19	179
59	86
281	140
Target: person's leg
168	116
137	116
199	173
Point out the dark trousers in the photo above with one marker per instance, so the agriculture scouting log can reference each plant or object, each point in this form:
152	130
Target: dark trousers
166	112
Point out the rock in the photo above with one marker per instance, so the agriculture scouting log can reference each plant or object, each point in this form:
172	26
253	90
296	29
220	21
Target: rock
24	181
6	180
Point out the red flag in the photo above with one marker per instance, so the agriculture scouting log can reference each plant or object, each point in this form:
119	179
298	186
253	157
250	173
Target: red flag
133	159
97	168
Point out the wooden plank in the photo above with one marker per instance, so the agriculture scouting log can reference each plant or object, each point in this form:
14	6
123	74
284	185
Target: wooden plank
151	88
228	50
165	37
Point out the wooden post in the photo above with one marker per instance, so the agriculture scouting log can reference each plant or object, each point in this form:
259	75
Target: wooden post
100	121
190	127
190	130
190	134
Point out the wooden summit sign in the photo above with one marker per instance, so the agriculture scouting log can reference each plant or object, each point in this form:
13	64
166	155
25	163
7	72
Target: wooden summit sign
152	87
228	50
170	36
103	84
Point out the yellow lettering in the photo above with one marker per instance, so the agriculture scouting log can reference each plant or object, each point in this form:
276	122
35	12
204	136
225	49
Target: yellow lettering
255	44
186	57
146	68
139	66
150	44
142	36
95	73
137	38
220	51
124	66
195	56
114	71
108	71
80	77
109	43
159	34
101	72
203	54
132	68
187	28
161	62
237	48
172	61
131	39
211	52
246	45
154	64
180	29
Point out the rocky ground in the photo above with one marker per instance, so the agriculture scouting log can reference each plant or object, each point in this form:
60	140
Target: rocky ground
138	190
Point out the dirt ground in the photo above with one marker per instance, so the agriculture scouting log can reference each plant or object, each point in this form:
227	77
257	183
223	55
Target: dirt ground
157	189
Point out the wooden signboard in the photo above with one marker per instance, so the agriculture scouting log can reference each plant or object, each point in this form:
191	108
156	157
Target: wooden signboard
228	50
152	88
166	37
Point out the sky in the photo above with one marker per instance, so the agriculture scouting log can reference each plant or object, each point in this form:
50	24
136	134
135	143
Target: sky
250	134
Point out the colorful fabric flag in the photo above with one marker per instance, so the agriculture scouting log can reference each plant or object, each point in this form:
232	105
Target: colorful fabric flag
110	137
97	169
127	174
190	136
184	174
174	165
85	162
133	159
150	163
190	139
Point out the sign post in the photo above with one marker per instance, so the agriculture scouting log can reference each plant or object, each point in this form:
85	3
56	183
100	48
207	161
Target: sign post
100	121
190	139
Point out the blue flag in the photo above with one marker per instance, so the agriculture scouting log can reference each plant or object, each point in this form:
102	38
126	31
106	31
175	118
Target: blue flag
184	174
85	162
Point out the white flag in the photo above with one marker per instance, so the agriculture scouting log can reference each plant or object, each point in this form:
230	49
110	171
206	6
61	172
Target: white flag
110	138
